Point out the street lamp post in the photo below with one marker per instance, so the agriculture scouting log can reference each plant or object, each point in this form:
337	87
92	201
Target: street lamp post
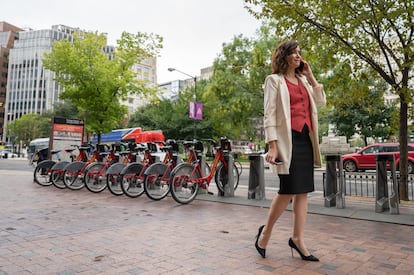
194	96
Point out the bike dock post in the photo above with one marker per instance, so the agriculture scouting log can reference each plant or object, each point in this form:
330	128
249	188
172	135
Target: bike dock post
229	184
256	178
334	189
383	201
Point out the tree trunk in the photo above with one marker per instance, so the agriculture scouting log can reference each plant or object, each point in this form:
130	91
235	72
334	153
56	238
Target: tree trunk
403	164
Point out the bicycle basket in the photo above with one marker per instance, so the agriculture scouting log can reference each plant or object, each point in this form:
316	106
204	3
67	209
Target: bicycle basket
117	147
173	144
152	147
225	144
198	146
100	148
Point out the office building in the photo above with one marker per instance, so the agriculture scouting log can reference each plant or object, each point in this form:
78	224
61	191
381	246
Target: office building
8	35
170	90
32	89
146	71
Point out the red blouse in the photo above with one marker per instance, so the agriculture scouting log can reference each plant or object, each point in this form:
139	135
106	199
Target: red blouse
299	106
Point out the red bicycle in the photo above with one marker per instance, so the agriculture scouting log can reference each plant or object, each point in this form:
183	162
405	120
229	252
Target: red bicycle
132	176
187	178
157	175
58	169
73	172
113	174
95	174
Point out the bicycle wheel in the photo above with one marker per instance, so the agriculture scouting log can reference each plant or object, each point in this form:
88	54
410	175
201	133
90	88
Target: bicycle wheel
57	174
113	181
57	179
95	178
239	167
113	178
221	176
73	180
132	180
42	173
156	181
183	190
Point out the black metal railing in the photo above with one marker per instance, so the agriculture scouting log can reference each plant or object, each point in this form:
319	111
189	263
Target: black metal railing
363	184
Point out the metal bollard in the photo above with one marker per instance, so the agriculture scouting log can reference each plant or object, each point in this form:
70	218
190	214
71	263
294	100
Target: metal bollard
383	201
256	178
334	189
228	185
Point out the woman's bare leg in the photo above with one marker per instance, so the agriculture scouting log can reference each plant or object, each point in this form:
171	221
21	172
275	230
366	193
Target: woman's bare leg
279	204
300	211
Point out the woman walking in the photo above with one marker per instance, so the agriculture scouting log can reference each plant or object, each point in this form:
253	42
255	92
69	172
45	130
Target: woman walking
291	95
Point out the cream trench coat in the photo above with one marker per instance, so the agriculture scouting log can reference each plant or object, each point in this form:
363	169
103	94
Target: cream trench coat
277	118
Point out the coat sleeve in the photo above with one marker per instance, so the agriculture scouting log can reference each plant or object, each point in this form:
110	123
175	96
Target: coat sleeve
317	92
319	95
271	90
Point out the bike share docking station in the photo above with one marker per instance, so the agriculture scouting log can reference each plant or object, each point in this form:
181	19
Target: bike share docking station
256	178
334	187
383	201
228	182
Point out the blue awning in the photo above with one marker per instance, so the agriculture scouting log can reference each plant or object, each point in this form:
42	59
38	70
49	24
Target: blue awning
114	136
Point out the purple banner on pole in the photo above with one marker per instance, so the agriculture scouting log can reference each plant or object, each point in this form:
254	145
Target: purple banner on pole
191	110
195	110
199	111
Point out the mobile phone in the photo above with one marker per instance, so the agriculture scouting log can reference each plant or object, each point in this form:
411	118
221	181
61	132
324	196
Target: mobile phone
278	161
301	66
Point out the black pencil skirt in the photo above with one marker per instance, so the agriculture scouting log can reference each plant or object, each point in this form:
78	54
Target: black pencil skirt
300	179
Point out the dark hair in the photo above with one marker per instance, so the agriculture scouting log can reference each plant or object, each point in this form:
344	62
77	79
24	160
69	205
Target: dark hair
279	57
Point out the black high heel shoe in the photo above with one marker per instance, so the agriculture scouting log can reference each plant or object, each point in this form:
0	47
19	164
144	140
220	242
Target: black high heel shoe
305	258
261	251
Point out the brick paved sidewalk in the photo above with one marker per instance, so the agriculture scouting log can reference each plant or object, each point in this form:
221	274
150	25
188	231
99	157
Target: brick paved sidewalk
45	230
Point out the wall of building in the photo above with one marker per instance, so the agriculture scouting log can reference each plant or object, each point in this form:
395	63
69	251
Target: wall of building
8	35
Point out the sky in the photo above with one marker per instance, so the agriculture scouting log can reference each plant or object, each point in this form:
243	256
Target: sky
193	30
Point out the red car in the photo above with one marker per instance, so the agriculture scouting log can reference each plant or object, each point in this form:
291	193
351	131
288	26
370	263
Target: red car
364	159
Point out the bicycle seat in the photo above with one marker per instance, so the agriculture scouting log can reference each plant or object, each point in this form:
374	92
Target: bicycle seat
70	150
53	152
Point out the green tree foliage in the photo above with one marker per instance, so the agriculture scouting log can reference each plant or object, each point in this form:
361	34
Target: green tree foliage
65	109
172	117
373	34
234	94
358	104
31	126
96	82
28	127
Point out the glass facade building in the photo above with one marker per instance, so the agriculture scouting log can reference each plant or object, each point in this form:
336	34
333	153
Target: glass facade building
30	87
8	35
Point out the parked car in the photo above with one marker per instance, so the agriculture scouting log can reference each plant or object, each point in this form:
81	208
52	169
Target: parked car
241	150
8	154
365	158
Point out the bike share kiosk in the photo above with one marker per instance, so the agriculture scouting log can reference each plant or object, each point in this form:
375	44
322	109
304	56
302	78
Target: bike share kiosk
256	178
334	189
228	183
383	201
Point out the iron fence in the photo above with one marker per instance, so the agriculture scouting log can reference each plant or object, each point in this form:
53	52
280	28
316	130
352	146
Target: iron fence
363	184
